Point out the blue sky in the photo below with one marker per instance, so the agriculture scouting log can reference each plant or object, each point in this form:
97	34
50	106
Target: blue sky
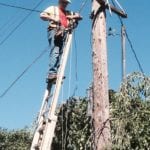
21	104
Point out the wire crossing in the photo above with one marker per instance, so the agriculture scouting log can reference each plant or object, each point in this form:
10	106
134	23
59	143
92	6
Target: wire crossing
21	22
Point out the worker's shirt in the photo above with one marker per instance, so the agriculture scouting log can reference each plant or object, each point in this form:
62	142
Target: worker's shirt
59	15
63	19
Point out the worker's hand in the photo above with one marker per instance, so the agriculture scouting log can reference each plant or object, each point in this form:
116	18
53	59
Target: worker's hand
76	16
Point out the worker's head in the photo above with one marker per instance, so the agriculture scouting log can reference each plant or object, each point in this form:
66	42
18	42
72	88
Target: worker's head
63	3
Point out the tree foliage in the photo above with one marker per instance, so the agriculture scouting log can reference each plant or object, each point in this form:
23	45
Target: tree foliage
73	128
15	139
129	119
130	114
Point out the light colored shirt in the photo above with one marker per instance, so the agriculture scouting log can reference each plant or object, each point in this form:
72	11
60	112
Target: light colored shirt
58	15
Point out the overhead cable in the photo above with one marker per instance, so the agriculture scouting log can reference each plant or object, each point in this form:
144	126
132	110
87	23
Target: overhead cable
24	71
130	43
20	23
82	6
19	7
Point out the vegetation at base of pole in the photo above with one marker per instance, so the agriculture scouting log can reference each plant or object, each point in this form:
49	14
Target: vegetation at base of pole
15	139
130	114
74	127
129	119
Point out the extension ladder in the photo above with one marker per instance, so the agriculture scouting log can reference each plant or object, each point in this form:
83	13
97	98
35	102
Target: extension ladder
47	118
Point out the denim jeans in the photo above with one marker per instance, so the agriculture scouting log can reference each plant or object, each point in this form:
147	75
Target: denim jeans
56	44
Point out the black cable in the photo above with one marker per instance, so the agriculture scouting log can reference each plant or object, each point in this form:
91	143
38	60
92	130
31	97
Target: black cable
24	19
8	21
19	7
21	22
135	55
76	66
37	58
82	6
25	70
130	43
8	25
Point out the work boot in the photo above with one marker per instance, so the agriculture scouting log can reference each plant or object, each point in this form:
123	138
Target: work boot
51	78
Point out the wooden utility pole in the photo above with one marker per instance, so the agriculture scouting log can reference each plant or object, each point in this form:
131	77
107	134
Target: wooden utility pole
123	41
102	135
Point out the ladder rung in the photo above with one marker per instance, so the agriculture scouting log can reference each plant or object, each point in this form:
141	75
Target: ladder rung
53	118
41	129
50	96
37	147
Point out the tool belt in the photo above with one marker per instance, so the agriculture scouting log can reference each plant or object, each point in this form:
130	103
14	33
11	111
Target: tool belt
60	30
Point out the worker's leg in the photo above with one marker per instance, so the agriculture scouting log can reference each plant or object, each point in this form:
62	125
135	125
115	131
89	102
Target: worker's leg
62	43
56	44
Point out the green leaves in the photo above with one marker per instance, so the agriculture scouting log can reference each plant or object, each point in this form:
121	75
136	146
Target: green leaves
130	114
15	140
73	126
129	119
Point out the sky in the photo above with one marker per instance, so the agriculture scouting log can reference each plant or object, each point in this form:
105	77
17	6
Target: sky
20	106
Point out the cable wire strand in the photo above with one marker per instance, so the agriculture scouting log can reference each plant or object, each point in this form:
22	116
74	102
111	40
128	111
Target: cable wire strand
76	67
8	21
135	55
37	58
9	24
130	43
20	23
26	17
25	70
83	5
19	7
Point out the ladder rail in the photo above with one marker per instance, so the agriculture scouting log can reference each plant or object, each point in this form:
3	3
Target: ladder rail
45	100
52	118
47	119
40	119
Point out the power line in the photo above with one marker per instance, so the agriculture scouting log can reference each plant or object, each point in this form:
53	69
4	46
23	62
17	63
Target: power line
8	21
21	22
24	71
9	24
76	66
135	55
83	5
35	10
36	59
19	7
130	43
24	19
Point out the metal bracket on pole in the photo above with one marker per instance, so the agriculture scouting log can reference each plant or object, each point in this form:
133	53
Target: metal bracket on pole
113	9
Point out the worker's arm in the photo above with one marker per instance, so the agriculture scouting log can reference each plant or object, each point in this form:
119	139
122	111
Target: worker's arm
75	16
47	17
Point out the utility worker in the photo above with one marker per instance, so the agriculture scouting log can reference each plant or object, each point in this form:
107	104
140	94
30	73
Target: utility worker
59	18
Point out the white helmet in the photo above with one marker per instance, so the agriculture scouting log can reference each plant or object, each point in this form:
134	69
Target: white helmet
69	1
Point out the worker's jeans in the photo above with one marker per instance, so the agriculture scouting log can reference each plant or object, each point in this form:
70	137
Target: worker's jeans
56	45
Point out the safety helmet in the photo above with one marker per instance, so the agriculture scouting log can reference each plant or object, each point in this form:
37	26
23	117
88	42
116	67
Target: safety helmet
69	1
